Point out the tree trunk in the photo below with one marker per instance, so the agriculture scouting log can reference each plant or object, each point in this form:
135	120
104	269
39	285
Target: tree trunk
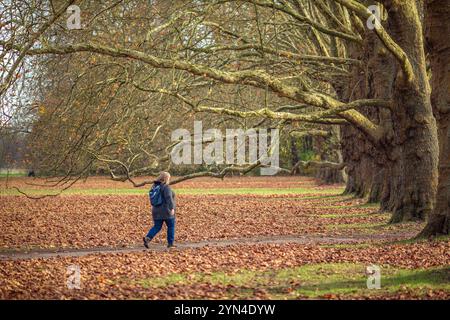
401	171
415	151
354	144
294	153
437	23
367	163
324	149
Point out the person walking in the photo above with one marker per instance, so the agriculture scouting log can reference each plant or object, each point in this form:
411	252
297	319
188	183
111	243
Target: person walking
162	200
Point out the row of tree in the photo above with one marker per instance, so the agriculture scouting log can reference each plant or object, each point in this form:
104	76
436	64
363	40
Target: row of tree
378	82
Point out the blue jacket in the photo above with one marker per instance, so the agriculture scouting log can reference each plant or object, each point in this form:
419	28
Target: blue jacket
163	211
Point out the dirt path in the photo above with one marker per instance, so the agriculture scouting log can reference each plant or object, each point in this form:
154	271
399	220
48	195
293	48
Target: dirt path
309	239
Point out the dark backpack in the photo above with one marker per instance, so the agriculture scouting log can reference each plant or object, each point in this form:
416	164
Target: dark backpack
155	195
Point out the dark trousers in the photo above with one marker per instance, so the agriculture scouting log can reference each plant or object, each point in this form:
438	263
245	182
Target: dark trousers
158	223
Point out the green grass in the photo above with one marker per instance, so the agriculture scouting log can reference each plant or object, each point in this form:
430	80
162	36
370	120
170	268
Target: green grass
12	174
332	196
344	215
197	191
258	191
337	197
365	205
312	281
358	225
444	238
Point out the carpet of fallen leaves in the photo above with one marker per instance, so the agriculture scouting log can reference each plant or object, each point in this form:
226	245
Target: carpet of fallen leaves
115	275
120	220
84	221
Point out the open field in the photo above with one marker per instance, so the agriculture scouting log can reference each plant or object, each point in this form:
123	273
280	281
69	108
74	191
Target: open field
273	238
5	173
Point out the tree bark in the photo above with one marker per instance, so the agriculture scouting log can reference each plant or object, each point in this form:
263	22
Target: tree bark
437	24
325	149
415	151
367	163
294	153
401	171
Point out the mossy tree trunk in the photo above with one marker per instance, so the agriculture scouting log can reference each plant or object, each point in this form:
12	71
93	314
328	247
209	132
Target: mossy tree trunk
437	23
400	170
367	163
415	143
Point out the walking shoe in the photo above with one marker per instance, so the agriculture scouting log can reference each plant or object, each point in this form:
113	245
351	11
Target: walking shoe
146	241
169	246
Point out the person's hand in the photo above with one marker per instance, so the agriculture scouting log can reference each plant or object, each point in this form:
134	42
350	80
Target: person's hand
172	212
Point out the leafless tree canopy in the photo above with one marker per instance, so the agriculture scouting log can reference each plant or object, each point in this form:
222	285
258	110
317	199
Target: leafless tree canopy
105	98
